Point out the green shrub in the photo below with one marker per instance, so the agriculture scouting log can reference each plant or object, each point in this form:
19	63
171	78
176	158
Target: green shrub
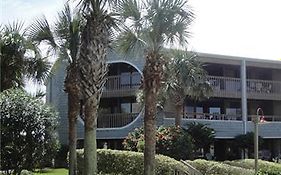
128	162
218	168
265	167
28	131
172	141
202	136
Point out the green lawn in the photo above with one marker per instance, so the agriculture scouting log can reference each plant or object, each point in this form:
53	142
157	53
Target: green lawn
59	171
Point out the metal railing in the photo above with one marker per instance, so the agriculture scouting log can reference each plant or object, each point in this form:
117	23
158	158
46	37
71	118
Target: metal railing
116	86
269	118
115	82
208	116
115	120
231	87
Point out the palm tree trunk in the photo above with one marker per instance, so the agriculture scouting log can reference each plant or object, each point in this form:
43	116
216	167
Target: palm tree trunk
73	111
73	89
90	144
149	132
152	78
178	115
93	70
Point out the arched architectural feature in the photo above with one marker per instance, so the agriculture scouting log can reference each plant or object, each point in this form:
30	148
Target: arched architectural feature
118	106
125	62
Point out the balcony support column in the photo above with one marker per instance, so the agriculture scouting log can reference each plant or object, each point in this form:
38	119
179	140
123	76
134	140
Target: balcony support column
244	95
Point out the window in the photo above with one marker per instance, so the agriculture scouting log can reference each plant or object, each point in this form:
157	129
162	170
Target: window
125	79
215	111
188	111
136	79
135	107
125	107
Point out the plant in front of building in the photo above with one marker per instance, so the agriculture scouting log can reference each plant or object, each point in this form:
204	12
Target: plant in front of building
246	142
28	137
184	78
64	38
202	135
128	162
171	141
96	36
152	25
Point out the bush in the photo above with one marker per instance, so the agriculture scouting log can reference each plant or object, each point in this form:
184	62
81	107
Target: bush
28	137
202	135
265	167
246	141
128	162
218	168
172	141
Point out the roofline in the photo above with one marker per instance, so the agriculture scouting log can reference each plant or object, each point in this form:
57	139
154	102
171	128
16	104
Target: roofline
238	58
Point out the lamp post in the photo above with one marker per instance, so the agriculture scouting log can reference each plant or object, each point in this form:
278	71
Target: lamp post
256	138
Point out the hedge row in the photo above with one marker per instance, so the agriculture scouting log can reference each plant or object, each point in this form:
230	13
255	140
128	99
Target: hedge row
265	167
128	162
218	168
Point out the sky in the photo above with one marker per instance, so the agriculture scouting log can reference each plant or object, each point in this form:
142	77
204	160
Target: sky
246	28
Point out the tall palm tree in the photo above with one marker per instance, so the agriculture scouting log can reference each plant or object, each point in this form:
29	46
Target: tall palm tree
64	40
95	39
184	77
153	24
20	57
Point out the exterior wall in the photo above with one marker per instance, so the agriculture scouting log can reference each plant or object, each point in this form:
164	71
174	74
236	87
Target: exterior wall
58	98
276	74
277	107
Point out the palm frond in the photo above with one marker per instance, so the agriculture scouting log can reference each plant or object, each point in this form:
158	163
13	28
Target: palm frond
15	27
40	31
129	43
37	69
67	30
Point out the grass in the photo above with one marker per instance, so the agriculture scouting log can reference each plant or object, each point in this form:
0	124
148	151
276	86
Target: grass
59	171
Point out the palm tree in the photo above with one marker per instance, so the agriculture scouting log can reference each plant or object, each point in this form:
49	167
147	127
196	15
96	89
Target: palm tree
64	39
153	24
184	76
95	39
20	58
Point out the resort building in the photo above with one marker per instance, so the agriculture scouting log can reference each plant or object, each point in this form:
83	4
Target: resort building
240	86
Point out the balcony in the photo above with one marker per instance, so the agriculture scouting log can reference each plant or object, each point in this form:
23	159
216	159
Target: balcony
121	86
116	120
256	89
233	117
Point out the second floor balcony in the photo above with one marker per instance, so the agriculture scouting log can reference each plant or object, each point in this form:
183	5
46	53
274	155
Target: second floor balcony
215	116
256	89
122	85
115	120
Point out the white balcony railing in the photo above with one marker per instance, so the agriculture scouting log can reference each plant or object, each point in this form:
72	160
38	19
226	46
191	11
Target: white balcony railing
259	89
118	82
115	120
208	116
119	86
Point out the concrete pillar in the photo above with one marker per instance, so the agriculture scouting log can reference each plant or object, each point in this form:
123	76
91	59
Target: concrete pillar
244	95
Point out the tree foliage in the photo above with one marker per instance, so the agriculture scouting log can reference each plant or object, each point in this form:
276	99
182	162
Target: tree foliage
64	39
28	137
152	25
172	141
246	141
20	57
202	135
